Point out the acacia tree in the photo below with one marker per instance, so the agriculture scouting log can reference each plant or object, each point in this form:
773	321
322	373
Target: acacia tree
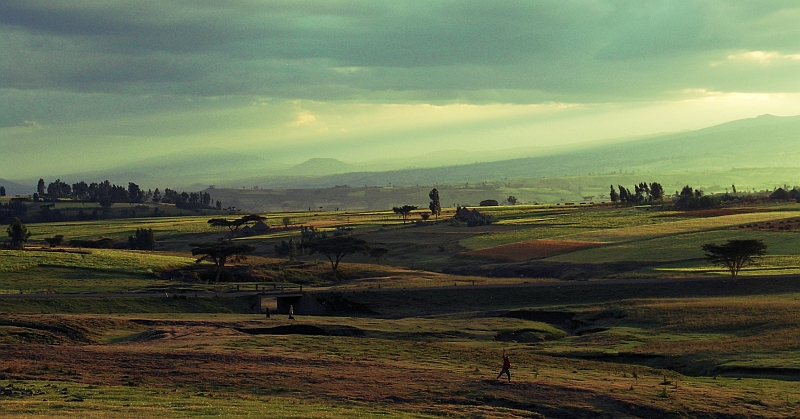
435	206
18	233
735	254
336	248
219	253
234	225
404	211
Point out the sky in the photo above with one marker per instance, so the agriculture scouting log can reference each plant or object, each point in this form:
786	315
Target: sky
91	84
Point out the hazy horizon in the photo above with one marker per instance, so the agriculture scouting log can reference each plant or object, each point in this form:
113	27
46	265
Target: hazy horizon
88	85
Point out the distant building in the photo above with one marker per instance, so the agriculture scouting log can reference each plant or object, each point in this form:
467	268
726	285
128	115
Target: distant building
780	194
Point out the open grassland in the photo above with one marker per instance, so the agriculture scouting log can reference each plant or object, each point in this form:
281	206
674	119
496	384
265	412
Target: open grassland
698	348
162	227
615	226
673	339
127	261
82	271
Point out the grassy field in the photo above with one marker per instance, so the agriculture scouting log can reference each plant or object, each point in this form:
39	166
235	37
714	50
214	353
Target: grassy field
83	270
669	336
633	350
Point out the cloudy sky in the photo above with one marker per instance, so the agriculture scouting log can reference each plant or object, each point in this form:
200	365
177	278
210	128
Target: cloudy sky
91	83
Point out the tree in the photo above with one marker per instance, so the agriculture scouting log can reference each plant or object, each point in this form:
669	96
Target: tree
135	194
219	253
656	191
435	206
80	191
512	200
404	211
286	249
735	254
59	189
614	195
234	225
2	191
287	222
337	247
308	234
40	187
18	233
143	240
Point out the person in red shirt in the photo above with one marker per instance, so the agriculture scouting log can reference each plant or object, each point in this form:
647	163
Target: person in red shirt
506	367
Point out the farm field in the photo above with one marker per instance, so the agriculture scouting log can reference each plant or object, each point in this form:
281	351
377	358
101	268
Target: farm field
123	333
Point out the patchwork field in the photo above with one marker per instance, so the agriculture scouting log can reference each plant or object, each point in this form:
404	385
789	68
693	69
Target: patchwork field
120	333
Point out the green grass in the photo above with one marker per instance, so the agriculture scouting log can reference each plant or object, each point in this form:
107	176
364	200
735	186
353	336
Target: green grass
81	400
163	227
97	270
109	260
423	352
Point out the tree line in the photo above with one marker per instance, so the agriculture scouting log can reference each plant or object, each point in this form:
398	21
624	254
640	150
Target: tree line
105	193
643	193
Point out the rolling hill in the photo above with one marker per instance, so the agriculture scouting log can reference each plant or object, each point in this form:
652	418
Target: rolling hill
766	142
763	151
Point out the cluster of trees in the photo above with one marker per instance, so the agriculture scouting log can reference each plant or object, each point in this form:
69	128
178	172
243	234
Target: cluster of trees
144	239
334	248
105	193
642	193
15	208
694	199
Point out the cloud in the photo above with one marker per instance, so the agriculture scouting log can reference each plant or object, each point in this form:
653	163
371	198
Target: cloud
303	118
763	57
169	74
570	50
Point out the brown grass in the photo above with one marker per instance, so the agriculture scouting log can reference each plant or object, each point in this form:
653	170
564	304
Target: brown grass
453	378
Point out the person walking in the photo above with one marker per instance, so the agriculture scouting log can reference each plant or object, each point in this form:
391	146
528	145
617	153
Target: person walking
506	367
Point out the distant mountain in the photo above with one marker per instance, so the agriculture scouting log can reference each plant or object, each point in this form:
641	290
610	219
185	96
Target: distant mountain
193	169
319	167
13	188
766	142
763	142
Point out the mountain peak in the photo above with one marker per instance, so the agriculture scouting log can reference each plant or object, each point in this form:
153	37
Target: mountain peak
320	166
